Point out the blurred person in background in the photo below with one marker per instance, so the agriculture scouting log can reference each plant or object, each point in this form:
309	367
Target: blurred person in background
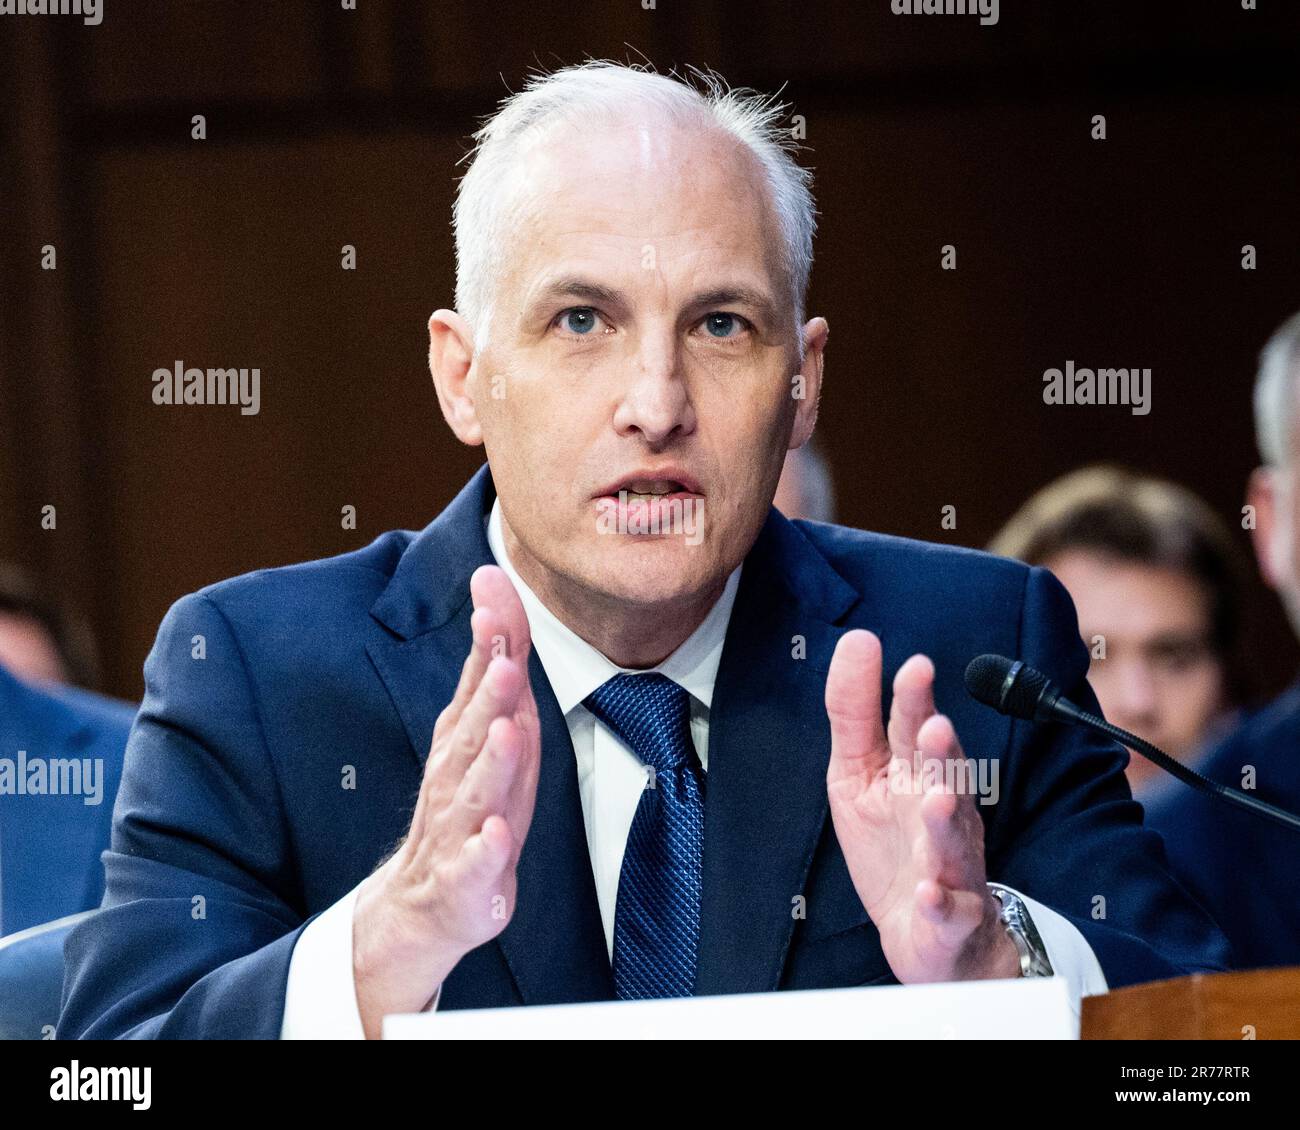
60	759
806	489
40	641
1157	582
1245	870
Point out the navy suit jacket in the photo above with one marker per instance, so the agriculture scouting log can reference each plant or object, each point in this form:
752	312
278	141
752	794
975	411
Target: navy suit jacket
50	844
1244	869
233	827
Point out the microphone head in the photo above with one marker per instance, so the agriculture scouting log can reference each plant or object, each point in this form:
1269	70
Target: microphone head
985	675
1007	685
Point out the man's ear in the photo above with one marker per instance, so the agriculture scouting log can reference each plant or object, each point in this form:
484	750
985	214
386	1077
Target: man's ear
451	358
815	334
1261	493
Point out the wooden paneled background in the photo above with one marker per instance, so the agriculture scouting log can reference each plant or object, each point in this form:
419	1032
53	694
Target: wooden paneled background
329	127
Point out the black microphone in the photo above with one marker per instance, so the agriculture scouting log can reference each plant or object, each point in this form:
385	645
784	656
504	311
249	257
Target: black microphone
1014	688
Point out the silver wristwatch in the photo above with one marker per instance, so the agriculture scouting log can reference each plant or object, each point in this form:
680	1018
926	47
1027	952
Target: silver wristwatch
1015	919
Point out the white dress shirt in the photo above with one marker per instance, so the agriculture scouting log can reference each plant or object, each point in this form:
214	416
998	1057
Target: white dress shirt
320	998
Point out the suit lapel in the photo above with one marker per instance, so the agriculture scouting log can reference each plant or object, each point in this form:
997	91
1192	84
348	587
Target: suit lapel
769	743
555	943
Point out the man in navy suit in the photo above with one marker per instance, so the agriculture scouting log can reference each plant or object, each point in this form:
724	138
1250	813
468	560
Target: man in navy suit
611	726
1244	869
60	763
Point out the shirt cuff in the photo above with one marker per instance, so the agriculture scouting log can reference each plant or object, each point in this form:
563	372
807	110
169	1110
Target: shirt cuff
320	999
1067	949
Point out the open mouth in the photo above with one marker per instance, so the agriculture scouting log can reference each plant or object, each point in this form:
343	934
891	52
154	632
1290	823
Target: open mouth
648	490
668	483
668	503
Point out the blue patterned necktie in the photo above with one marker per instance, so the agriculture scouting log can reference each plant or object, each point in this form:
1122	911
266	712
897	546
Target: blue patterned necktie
657	917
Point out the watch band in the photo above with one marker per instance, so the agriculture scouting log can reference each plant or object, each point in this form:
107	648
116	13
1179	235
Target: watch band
1017	922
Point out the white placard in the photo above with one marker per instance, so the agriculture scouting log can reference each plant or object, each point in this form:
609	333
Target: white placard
1036	1008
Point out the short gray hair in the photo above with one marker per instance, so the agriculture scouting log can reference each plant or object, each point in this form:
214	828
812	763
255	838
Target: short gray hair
1275	410
480	216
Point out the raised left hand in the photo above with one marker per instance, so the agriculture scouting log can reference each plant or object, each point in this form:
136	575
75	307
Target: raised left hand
915	853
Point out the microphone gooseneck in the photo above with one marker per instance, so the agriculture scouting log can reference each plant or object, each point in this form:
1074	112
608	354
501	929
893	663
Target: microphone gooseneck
1012	687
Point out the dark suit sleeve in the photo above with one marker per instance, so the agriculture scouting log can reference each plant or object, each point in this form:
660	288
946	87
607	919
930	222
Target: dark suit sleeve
199	918
1071	836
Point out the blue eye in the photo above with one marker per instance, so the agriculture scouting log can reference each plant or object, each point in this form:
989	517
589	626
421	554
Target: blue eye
721	324
579	320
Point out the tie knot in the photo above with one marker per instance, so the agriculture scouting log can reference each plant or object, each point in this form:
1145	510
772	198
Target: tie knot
651	713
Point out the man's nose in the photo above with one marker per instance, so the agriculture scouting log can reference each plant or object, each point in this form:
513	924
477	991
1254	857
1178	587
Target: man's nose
656	401
1135	696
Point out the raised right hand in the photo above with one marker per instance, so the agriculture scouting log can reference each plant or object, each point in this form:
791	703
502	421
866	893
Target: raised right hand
451	884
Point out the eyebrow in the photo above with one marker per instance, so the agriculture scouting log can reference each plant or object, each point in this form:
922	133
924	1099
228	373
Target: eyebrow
575	287
737	296
596	293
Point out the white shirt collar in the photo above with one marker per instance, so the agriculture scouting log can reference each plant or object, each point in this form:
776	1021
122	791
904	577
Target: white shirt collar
575	668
